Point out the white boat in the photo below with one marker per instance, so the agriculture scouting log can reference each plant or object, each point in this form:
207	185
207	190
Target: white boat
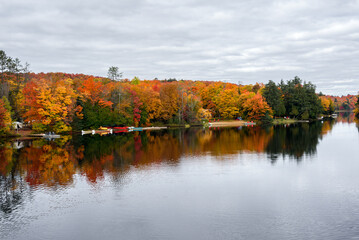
51	136
86	132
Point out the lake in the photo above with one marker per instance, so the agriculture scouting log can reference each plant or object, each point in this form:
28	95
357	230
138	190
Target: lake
285	182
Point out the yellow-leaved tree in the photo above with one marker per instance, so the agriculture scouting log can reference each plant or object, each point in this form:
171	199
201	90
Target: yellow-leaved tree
50	105
5	116
327	105
169	96
227	103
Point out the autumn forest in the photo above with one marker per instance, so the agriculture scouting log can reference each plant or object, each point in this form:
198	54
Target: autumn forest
62	102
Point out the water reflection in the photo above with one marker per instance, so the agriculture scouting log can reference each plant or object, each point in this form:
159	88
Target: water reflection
346	117
297	141
11	184
51	164
54	164
42	177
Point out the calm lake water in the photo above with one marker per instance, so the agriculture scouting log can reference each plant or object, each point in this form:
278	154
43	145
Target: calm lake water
289	182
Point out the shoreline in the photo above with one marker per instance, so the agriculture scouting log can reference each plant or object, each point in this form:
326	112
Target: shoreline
230	123
28	134
281	121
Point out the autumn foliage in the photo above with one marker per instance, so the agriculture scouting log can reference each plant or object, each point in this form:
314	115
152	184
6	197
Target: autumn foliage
62	102
5	116
50	105
256	108
343	103
327	104
96	92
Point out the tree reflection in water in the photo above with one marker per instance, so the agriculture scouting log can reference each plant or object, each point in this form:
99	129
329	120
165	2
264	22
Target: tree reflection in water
12	184
297	140
53	164
346	117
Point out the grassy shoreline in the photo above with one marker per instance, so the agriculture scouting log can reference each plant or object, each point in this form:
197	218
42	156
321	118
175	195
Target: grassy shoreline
280	121
288	121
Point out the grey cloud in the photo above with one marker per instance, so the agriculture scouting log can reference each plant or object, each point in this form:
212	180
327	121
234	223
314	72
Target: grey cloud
247	41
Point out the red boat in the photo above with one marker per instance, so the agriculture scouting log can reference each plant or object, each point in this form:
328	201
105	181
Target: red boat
120	128
119	131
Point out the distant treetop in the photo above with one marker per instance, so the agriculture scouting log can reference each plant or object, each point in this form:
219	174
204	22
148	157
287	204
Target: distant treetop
114	74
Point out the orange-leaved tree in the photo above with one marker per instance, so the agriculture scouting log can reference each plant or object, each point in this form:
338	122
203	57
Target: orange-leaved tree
50	105
327	105
169	95
151	104
97	96
208	95
253	106
96	92
204	114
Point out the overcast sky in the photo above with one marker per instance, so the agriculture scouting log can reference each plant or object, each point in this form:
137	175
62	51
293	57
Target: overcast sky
226	40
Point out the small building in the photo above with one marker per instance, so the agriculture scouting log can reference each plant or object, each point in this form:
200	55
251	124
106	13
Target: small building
17	125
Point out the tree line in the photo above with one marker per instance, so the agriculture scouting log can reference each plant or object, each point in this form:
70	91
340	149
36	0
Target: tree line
63	102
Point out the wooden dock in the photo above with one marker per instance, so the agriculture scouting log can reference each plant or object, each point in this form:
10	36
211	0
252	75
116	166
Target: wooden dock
154	128
122	130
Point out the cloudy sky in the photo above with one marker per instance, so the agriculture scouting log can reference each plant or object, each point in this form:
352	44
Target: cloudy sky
226	40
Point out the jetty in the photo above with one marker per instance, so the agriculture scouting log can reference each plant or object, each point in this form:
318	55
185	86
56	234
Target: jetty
112	130
153	128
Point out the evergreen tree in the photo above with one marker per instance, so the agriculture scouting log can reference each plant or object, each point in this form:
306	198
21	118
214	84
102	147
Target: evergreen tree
300	100
3	65
273	96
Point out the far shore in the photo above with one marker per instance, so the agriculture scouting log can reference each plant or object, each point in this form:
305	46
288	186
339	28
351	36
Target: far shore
238	123
29	134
